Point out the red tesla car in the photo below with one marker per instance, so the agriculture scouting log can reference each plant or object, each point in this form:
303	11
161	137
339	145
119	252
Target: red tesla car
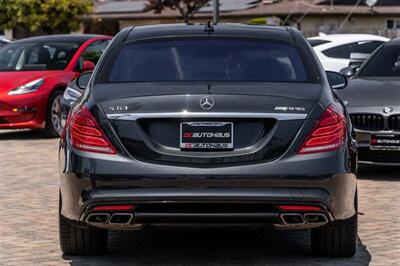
34	72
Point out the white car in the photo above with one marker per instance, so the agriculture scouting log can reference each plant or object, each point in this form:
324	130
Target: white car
3	41
334	50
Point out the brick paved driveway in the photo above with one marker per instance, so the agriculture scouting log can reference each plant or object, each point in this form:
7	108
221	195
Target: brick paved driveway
29	233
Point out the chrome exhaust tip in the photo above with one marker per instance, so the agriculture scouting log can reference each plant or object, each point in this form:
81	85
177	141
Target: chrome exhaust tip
98	218
315	218
292	218
121	218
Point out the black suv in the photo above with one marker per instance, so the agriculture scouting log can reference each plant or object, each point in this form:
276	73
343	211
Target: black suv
208	124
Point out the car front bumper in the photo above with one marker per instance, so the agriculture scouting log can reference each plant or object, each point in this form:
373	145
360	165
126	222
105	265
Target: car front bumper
368	155
23	111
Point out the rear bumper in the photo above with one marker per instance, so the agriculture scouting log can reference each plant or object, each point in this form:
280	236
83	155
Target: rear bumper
172	194
210	205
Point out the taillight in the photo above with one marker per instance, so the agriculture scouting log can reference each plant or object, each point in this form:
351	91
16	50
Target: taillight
329	133
86	134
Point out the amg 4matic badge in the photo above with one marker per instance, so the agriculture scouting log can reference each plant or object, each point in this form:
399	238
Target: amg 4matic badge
206	135
290	108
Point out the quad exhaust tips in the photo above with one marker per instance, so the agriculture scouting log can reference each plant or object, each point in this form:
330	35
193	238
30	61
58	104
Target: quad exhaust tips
121	218
98	218
307	218
292	218
114	219
289	219
315	218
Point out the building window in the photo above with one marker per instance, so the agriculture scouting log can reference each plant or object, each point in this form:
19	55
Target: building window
393	24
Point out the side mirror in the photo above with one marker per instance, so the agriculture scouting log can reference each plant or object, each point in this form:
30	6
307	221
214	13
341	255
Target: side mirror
349	71
336	80
87	66
83	80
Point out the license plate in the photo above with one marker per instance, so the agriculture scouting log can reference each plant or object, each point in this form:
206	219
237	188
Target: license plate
206	136
385	142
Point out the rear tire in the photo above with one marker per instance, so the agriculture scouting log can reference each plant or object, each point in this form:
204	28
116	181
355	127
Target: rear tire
335	240
81	241
53	127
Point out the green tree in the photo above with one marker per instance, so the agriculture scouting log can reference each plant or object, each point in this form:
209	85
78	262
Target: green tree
187	8
50	16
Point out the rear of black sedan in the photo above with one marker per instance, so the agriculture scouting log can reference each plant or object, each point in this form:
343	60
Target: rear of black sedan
208	124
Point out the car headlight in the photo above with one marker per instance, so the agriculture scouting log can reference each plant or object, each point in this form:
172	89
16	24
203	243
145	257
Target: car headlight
71	94
27	88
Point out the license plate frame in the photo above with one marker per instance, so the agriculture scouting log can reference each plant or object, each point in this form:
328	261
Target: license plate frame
385	142
206	135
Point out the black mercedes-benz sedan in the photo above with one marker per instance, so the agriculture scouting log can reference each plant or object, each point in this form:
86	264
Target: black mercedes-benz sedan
373	101
204	124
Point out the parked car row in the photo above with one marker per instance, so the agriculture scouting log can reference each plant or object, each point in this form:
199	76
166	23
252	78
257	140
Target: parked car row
337	51
184	123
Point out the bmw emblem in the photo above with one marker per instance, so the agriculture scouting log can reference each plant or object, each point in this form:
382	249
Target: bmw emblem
388	110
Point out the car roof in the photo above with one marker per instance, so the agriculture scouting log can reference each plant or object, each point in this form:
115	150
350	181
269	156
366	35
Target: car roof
348	37
81	38
198	30
3	38
394	42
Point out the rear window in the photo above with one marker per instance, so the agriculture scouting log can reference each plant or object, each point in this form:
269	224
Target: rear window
345	51
385	63
316	42
208	60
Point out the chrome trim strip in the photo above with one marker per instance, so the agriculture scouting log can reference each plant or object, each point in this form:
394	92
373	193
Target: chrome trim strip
278	116
383	132
378	163
383	148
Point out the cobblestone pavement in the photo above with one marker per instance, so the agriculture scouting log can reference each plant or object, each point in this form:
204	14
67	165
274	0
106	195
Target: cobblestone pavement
29	231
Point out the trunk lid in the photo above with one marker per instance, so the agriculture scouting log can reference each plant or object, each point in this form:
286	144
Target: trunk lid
266	117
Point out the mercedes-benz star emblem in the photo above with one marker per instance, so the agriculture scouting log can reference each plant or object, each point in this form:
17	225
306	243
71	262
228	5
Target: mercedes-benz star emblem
388	110
207	102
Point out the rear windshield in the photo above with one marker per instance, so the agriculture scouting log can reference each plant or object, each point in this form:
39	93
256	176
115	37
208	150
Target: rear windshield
316	42
208	60
385	63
